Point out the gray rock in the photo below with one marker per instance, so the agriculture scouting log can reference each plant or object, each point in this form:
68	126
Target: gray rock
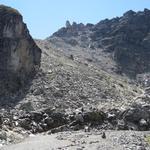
3	135
25	123
143	122
135	114
68	25
121	125
36	116
49	121
19	55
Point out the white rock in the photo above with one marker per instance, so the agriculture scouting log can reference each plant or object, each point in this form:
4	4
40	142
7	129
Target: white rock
143	122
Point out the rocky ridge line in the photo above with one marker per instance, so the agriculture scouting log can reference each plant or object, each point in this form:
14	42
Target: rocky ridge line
19	55
124	40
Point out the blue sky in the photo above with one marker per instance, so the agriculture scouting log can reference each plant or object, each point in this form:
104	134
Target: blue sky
44	17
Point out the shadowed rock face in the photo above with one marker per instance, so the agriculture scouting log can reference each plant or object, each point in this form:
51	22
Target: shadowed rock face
19	55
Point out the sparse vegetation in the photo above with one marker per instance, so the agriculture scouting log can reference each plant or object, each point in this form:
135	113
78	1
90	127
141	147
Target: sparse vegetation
147	139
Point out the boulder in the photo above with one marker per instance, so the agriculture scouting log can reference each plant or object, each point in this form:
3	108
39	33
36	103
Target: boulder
3	135
25	123
136	113
68	25
36	116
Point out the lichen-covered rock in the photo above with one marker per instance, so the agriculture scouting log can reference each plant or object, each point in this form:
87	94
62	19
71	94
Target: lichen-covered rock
19	55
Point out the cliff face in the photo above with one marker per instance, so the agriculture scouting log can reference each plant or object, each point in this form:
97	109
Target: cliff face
19	55
126	39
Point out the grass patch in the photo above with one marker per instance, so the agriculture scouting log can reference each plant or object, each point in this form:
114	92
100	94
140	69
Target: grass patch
147	139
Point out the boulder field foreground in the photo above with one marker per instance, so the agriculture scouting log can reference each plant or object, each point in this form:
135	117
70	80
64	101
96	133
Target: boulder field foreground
79	88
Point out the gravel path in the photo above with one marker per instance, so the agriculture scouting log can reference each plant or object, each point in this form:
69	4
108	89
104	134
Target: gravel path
115	140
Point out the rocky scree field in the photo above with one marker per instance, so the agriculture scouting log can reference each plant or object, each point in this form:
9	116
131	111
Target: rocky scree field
78	82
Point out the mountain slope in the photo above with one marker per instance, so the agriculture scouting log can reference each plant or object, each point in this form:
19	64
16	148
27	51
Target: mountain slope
70	83
118	45
62	82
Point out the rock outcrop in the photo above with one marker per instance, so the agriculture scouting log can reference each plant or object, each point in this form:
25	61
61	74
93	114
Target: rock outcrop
126	39
19	55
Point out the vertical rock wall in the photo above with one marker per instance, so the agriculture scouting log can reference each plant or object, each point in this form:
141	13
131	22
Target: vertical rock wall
19	55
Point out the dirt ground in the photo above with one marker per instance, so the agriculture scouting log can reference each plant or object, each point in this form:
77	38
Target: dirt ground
80	140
